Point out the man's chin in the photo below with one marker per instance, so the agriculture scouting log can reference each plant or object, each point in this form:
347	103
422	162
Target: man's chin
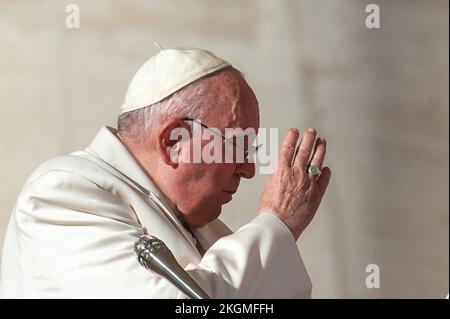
212	216
215	215
205	220
225	197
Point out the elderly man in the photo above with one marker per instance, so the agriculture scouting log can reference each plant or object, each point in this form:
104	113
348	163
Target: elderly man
73	228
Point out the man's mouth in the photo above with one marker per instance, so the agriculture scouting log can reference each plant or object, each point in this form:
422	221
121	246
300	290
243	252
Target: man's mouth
230	192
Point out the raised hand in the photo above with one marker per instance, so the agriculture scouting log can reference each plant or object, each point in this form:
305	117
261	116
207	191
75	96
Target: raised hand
291	193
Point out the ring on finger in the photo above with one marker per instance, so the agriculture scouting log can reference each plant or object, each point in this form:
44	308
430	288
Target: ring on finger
314	170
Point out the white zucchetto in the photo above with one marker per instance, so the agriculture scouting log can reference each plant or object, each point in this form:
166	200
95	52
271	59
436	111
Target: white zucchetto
167	72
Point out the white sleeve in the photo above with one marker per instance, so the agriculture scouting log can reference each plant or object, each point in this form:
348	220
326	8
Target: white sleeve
260	260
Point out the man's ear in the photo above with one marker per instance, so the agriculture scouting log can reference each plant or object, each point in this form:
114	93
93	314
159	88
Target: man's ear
169	140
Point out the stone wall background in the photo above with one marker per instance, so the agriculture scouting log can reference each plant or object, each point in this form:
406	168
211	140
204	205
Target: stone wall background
379	96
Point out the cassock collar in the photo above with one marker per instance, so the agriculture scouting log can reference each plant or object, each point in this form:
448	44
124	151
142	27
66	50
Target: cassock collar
110	149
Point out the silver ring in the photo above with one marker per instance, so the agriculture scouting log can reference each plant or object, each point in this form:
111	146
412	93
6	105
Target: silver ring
314	170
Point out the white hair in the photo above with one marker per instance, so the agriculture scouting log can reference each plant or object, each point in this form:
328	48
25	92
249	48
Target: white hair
194	101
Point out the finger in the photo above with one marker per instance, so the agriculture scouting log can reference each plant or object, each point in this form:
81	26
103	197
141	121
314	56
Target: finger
323	181
288	148
296	149
320	150
305	148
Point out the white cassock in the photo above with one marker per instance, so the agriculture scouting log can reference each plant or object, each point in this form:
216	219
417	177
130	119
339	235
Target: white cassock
72	232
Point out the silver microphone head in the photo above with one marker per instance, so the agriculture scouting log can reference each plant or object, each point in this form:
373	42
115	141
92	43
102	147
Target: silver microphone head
146	246
154	255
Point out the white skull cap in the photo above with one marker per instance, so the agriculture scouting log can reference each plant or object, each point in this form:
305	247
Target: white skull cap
167	72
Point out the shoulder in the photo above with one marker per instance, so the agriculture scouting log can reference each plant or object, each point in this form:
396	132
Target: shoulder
67	166
69	180
72	186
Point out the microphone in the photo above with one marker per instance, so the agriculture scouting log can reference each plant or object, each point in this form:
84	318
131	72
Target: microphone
154	255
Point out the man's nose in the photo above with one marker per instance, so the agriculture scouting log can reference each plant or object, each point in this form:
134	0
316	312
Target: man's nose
246	170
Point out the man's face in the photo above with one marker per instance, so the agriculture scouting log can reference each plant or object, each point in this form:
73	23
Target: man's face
204	187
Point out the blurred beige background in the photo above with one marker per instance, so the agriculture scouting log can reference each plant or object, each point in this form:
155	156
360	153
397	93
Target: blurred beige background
380	96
